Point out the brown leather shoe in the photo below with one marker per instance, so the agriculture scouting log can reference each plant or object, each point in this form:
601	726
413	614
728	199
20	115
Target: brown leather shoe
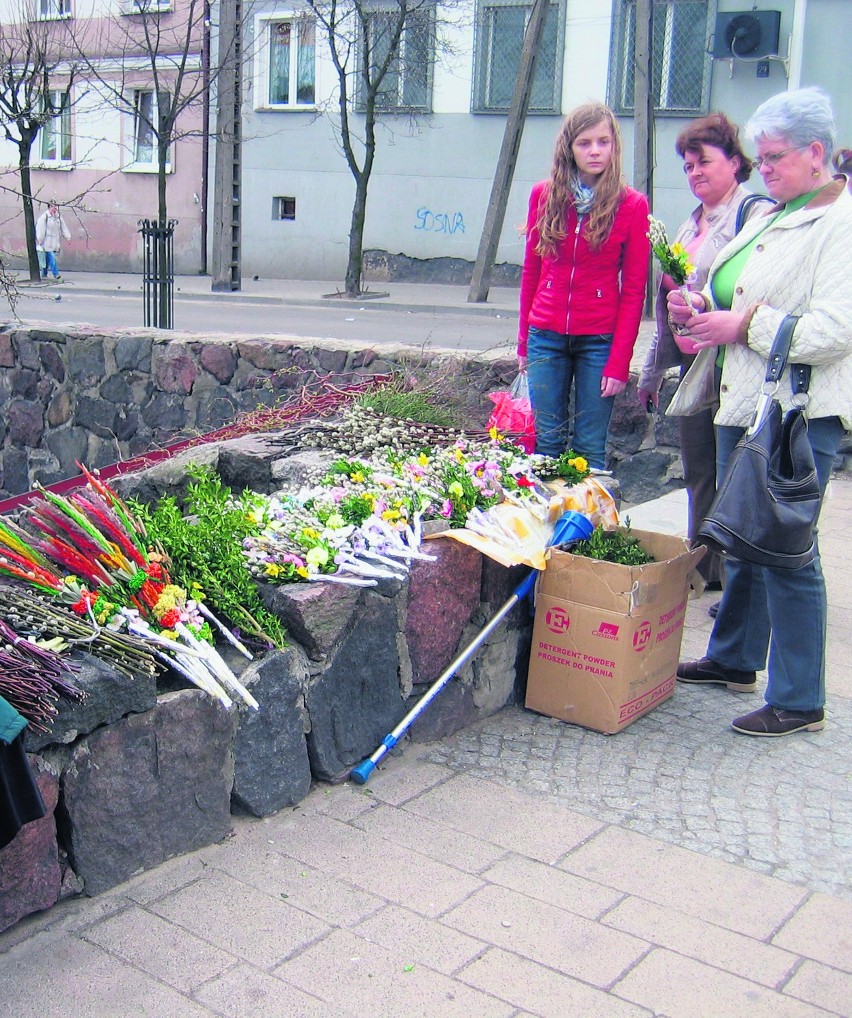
706	672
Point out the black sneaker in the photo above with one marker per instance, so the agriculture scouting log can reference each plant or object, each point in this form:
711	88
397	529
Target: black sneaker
706	672
713	610
773	722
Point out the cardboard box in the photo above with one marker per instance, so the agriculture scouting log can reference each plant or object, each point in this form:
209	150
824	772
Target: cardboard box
607	637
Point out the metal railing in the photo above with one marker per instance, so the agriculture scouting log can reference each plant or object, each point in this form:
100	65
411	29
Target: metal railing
158	276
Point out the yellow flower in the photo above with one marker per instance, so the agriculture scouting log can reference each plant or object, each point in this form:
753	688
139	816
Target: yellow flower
317	556
272	569
310	533
495	434
456	489
578	463
689	268
368	496
459	455
423	459
301	571
357	477
390	515
335	521
678	249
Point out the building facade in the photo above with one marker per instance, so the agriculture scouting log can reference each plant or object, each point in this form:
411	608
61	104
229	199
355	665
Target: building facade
120	63
442	116
440	135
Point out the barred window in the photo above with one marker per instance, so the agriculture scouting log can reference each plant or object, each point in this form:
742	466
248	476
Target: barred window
498	43
407	84
680	71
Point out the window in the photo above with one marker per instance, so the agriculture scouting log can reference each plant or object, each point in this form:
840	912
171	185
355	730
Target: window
51	9
146	112
147	6
56	131
407	84
498	43
680	66
291	61
283	208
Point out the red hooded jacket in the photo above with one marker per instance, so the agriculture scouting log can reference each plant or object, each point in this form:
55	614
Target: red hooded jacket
585	292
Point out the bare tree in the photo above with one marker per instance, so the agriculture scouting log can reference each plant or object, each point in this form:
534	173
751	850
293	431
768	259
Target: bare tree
383	52
145	60
35	90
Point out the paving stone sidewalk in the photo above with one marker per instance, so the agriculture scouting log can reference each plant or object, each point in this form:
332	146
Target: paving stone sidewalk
521	868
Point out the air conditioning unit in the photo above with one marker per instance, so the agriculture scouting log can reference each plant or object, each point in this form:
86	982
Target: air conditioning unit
747	35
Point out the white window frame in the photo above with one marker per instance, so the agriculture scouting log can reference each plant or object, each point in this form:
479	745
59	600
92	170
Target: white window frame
54	10
483	68
399	67
62	122
138	7
265	25
134	123
620	96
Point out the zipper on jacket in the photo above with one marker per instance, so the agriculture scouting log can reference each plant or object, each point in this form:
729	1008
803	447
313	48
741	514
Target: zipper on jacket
573	270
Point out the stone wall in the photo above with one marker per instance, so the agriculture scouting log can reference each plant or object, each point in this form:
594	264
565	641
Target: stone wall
103	396
141	771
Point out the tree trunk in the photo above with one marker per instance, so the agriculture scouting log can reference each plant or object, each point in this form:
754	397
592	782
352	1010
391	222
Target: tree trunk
24	147
355	265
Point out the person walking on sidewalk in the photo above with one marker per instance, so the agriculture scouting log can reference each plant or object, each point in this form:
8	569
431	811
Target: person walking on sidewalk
582	286
793	260
716	169
50	232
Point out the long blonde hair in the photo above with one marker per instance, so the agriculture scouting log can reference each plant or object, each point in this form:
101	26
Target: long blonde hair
609	189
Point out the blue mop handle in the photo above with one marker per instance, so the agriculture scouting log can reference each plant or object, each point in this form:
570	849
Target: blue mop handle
363	770
571	526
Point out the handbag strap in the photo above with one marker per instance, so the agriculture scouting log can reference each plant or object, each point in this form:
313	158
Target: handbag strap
800	374
746	204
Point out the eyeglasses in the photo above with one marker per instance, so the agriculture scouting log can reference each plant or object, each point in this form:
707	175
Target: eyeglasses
775	157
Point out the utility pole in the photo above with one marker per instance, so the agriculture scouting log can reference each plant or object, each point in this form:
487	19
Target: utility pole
226	242
496	212
643	116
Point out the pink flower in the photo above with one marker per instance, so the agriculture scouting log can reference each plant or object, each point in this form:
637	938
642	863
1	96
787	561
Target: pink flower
447	508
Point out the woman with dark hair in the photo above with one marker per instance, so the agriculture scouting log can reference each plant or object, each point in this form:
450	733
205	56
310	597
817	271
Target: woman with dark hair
716	168
792	261
582	286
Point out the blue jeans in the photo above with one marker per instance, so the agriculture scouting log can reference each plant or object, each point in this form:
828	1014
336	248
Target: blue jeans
779	610
50	265
555	362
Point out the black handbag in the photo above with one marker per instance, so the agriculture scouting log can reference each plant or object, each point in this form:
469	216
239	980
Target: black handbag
766	508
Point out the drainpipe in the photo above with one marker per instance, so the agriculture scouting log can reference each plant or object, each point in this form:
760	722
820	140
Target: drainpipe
797	44
205	135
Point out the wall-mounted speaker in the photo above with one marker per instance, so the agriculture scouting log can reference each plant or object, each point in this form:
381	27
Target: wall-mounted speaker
746	34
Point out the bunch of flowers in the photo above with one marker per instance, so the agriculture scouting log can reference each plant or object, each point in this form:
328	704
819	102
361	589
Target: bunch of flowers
363	520
674	261
89	551
673	258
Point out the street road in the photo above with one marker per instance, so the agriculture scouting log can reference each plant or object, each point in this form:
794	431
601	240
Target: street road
365	325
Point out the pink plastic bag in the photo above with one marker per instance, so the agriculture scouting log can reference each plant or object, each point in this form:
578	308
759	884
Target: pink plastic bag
513	415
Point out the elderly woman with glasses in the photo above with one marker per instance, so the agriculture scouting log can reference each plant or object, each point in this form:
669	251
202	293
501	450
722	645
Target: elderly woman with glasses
792	260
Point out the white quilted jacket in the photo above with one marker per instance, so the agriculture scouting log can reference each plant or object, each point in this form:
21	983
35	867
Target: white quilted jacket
800	266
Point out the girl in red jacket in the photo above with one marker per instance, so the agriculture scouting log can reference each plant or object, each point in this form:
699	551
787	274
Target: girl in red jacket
582	286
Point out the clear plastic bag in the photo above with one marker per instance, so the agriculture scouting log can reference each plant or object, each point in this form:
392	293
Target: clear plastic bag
697	389
512	414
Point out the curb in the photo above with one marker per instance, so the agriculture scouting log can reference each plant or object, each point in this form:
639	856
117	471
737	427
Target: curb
371	303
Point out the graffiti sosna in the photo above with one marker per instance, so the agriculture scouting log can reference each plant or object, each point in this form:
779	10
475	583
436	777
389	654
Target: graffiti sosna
439	222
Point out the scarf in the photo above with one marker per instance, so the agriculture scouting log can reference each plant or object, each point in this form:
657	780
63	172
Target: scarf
584	197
